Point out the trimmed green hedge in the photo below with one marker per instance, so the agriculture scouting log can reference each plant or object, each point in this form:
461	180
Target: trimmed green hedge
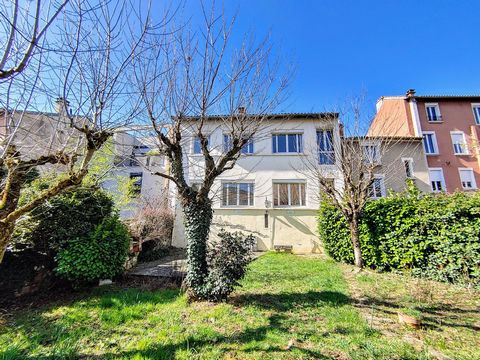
432	235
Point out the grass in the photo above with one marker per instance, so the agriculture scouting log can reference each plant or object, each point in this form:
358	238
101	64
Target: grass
289	307
450	314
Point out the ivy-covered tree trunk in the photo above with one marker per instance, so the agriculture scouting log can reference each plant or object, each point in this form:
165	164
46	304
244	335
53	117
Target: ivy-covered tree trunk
198	218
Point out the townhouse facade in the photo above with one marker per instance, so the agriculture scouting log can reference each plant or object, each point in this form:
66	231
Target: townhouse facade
450	128
268	194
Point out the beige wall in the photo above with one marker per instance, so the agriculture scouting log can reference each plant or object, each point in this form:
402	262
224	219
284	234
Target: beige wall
296	228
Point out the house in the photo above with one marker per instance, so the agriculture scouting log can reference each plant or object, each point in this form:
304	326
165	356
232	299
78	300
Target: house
398	159
136	158
450	128
266	194
36	133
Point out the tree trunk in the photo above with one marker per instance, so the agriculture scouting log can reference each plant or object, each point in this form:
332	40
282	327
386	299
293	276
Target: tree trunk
198	218
6	232
355	236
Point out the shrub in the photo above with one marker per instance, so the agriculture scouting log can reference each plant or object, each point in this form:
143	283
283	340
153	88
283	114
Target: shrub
99	255
29	262
433	235
227	260
67	216
152	225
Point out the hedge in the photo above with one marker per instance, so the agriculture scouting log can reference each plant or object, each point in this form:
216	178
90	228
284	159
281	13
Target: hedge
436	236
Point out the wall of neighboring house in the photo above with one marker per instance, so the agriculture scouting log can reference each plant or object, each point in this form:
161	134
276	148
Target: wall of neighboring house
456	116
393	165
134	161
271	224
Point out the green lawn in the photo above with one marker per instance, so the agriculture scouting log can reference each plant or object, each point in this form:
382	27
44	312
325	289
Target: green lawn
285	300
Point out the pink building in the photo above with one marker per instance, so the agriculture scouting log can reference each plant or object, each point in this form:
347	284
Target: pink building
450	127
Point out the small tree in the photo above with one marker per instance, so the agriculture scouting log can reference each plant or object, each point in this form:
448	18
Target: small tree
186	79
344	167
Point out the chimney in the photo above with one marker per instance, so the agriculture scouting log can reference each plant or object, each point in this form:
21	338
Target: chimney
410	93
61	105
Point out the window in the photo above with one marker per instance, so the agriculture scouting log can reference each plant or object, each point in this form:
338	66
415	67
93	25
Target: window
433	112
136	184
467	178
377	188
430	143
288	194
371	154
197	147
408	166
325	147
436	180
459	143
287	143
227	145
476	113
237	194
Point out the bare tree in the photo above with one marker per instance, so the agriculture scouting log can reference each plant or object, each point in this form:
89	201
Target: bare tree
193	82
23	27
345	166
92	65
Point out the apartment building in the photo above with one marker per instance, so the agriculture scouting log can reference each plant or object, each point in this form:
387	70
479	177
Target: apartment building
450	128
266	193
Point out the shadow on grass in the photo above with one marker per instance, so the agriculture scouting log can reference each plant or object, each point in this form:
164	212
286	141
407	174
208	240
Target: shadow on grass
434	316
45	331
286	301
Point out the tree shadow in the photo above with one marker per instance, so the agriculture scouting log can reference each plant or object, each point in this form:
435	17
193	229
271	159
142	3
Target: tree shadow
434	316
44	330
286	301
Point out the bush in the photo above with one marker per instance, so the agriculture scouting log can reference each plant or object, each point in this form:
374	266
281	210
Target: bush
227	260
29	262
152	225
66	216
432	235
99	255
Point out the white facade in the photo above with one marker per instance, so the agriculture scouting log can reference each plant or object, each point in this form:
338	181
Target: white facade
136	159
289	218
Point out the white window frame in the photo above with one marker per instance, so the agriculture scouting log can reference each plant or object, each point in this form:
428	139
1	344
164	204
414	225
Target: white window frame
378	156
229	145
437	110
442	180
476	113
380	177
300	144
289	182
251	190
410	162
329	153
434	141
474	183
464	144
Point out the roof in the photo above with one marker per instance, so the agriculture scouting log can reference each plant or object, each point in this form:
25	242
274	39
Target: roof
280	116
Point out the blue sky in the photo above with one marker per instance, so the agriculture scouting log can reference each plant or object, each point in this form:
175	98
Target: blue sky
345	48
